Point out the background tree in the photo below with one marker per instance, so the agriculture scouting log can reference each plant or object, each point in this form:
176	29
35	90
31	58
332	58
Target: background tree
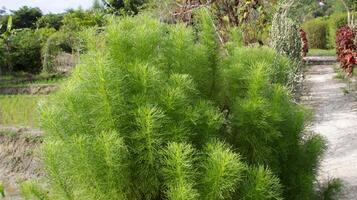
124	6
76	20
6	64
50	21
97	5
26	17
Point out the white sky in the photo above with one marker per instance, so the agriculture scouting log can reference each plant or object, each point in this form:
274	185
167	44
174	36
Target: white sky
54	6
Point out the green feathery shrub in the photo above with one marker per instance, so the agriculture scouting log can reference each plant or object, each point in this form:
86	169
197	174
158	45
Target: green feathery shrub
330	190
267	128
260	184
33	190
139	129
145	114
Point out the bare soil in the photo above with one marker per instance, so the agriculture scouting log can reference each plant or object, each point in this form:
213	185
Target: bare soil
32	90
19	160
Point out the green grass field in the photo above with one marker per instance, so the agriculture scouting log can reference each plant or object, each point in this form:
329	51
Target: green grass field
19	110
321	52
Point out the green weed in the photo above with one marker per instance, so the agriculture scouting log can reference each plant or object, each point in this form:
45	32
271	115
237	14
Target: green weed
2	190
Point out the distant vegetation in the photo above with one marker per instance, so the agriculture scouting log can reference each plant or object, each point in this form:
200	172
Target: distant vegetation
322	31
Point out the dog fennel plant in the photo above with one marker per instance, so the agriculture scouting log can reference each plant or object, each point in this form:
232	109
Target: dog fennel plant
156	111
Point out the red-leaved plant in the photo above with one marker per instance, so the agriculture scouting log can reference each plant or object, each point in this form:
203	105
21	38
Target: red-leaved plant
305	47
346	48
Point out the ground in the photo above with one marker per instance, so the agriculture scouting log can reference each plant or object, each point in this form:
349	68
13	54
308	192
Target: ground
335	111
19	158
20	137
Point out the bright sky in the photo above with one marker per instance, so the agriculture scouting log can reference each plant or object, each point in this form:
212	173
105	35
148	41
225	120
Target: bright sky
54	6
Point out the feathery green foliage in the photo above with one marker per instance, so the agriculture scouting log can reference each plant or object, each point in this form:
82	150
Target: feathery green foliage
31	190
236	70
222	172
86	175
179	172
266	126
145	113
260	184
331	190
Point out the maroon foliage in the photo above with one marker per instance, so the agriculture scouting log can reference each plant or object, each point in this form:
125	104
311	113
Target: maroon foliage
346	48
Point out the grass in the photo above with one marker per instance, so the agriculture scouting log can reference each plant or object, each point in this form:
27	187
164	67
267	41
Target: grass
321	52
2	190
19	80
340	74
19	110
8	133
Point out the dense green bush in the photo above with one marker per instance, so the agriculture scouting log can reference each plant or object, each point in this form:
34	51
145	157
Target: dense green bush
24	50
317	33
25	17
50	21
130	7
266	127
149	112
76	20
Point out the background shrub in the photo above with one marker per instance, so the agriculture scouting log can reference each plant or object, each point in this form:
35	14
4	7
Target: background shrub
50	21
26	17
59	42
130	7
285	38
25	50
77	20
317	33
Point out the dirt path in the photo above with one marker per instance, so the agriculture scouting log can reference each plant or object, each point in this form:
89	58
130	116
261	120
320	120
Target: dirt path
335	119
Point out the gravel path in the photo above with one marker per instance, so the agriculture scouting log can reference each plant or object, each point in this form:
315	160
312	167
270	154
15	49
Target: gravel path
335	119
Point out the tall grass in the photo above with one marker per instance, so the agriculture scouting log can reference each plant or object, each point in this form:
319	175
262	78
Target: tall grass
19	110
